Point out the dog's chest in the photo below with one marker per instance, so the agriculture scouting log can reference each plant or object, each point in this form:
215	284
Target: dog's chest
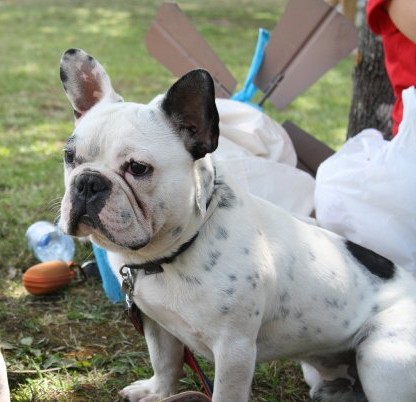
183	306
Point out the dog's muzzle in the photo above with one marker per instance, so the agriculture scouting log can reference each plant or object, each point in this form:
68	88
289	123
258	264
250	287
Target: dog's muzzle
89	193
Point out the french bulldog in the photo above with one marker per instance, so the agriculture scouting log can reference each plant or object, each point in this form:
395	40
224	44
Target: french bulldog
239	280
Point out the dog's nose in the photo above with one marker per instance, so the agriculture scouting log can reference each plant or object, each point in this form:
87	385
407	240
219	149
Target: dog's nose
90	185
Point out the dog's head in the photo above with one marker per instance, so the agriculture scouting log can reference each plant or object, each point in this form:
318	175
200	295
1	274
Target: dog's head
133	171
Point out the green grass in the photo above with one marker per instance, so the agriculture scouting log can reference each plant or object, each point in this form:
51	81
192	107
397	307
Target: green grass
76	346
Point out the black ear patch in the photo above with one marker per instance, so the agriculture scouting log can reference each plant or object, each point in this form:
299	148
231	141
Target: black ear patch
190	105
375	263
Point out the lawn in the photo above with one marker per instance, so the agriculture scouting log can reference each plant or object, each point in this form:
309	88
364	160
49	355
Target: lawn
75	345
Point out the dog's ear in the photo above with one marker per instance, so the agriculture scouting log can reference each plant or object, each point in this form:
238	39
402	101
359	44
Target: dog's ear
85	81
190	105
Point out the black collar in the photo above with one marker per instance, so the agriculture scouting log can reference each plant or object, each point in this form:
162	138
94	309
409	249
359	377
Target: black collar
155	267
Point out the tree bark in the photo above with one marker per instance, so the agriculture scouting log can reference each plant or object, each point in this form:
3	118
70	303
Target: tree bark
372	97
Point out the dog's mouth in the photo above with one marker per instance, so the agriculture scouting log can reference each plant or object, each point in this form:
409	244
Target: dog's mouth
89	193
87	220
95	206
82	220
86	223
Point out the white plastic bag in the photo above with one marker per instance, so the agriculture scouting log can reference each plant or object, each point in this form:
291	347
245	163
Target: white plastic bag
367	190
259	154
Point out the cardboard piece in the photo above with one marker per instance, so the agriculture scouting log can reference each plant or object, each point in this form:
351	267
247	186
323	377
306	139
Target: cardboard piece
310	151
173	41
310	38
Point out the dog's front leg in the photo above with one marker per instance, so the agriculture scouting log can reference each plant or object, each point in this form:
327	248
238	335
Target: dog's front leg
235	360
166	355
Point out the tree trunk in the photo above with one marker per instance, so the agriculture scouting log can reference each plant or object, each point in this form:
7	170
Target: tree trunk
372	97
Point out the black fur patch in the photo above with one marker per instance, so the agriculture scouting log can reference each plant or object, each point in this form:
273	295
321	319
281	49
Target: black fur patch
375	263
63	74
72	51
190	105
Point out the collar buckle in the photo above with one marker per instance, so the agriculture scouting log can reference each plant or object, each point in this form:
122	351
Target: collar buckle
127	285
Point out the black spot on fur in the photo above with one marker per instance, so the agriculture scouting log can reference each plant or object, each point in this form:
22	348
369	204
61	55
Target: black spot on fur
375	263
222	233
233	278
252	281
64	76
225	309
213	257
284	312
246	251
284	297
207	267
229	291
290	273
298	315
192	280
228	198
333	303
125	216
177	231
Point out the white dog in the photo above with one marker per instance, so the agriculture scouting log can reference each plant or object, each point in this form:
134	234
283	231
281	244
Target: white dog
231	276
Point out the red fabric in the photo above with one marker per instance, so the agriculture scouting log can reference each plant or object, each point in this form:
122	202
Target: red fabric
399	54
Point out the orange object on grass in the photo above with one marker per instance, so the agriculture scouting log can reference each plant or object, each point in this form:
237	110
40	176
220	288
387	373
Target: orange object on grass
48	277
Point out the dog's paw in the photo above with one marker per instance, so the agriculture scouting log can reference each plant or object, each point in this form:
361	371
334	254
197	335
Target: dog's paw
150	390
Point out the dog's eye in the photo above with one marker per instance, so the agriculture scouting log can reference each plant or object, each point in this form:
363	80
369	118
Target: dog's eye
138	169
69	157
